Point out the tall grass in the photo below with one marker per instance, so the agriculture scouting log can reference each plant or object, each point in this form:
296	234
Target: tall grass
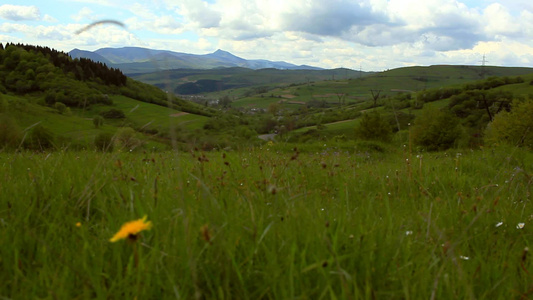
267	224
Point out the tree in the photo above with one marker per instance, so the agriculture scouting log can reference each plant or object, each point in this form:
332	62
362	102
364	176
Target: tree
436	130
373	127
274	108
225	101
515	127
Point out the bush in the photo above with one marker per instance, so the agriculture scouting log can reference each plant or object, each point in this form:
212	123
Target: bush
113	114
10	132
98	121
436	130
514	128
4	105
125	137
40	139
104	142
61	107
373	127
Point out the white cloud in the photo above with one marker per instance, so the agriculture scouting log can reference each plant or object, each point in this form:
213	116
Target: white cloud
84	14
49	19
200	13
19	12
499	21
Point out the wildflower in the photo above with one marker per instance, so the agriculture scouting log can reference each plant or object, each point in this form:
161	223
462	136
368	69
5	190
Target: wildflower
499	224
78	224
464	257
131	229
409	232
520	225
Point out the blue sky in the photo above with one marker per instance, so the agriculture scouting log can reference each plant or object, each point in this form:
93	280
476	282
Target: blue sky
368	34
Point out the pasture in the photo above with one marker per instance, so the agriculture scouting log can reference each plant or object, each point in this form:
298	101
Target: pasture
321	222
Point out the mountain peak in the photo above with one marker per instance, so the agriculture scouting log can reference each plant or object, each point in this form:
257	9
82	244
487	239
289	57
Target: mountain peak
220	52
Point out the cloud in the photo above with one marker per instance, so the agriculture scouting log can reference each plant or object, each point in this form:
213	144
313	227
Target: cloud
84	14
440	25
329	18
49	19
500	21
19	12
200	13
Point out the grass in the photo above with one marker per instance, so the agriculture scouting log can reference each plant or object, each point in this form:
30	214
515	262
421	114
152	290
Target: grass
267	223
389	83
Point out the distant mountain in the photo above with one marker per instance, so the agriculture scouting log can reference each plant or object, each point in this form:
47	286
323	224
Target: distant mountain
142	60
76	53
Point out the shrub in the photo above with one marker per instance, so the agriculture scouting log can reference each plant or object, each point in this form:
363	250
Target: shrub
10	132
125	137
373	127
98	121
61	107
4	105
515	127
113	114
40	139
436	130
104	142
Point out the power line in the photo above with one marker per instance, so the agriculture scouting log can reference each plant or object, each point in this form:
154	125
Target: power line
483	64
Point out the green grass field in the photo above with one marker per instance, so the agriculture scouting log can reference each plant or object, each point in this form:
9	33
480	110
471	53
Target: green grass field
389	83
268	223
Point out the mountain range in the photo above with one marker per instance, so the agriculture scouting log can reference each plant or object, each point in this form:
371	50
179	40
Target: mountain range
131	60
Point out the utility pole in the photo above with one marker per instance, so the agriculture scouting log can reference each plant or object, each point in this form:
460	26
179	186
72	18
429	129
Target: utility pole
483	63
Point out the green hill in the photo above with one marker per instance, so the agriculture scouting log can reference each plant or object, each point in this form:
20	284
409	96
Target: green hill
45	88
388	83
194	81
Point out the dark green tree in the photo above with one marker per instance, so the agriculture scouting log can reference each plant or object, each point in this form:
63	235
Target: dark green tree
436	130
373	127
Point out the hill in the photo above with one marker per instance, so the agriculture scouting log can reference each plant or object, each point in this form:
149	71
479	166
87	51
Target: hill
142	60
355	90
192	81
44	87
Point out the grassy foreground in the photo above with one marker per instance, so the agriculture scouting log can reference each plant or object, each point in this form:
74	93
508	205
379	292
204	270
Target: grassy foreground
263	224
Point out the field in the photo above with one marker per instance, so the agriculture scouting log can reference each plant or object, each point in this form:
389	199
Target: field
389	83
320	222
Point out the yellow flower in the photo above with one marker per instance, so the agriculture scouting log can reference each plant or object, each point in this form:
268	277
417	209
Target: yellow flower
131	229
78	224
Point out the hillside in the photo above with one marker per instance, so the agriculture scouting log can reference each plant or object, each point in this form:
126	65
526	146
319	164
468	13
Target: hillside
355	90
191	81
46	89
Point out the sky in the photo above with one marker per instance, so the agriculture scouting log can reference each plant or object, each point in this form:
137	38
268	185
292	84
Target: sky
371	35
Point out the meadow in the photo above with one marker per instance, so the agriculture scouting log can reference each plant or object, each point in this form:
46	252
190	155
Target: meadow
318	222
